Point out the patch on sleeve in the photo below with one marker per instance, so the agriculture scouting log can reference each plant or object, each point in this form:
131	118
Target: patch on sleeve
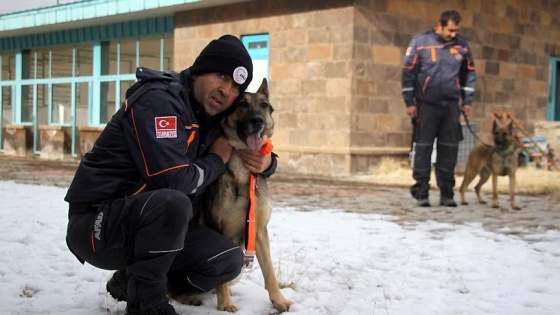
166	127
409	51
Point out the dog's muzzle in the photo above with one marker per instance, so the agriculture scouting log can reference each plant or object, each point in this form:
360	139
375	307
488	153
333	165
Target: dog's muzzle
500	142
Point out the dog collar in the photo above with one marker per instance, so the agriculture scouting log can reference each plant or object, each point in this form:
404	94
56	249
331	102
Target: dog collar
267	147
507	150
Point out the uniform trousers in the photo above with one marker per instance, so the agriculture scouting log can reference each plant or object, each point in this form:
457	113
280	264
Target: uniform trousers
441	122
151	236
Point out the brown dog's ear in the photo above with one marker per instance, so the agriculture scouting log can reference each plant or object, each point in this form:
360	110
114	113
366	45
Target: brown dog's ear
263	89
495	124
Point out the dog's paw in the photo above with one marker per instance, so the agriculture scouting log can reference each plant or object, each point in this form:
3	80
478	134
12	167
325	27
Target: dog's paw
515	207
464	203
186	299
228	308
283	305
495	206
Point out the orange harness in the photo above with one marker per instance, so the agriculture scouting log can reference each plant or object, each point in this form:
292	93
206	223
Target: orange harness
251	237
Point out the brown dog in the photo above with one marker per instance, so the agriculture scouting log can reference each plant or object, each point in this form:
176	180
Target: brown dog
226	201
499	160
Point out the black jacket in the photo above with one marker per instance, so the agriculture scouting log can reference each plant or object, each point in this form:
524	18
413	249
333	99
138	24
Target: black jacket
157	139
436	71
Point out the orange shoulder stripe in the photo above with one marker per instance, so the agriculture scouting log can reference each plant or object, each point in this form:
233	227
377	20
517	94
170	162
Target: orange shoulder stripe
192	126
428	47
413	63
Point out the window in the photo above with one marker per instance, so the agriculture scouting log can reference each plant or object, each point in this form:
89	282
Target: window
83	66
258	47
62	62
8	66
8	62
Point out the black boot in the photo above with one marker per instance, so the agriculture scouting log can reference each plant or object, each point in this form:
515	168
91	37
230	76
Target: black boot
117	286
162	309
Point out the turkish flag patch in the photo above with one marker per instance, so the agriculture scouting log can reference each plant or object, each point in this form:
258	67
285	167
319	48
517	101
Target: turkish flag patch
166	127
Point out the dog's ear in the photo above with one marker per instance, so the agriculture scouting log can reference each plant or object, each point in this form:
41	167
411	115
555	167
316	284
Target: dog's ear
263	89
495	124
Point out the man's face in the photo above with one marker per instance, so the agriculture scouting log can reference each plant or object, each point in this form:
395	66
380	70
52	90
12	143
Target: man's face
449	31
215	91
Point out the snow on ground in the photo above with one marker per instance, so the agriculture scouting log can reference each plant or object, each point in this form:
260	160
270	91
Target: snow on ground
335	263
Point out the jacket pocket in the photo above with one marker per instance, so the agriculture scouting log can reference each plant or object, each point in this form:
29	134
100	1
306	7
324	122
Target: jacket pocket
109	230
425	86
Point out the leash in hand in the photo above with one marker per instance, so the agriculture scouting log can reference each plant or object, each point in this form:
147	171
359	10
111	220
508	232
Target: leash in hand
472	131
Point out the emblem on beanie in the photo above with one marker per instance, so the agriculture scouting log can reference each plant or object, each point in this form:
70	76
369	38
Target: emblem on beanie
240	75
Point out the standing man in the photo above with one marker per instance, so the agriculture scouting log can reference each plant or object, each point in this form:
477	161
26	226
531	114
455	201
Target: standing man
438	72
134	194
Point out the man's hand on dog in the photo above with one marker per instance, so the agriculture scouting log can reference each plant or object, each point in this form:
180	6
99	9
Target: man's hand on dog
222	148
254	161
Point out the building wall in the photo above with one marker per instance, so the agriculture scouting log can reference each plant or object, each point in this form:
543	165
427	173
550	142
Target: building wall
335	69
311	70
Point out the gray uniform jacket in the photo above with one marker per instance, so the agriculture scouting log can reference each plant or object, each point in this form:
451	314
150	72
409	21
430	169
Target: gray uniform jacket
438	72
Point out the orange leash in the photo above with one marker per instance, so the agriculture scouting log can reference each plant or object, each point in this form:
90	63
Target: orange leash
251	237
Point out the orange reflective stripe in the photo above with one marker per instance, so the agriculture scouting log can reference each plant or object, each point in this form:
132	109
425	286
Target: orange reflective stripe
469	64
413	63
429	47
140	189
434	54
191	138
251	238
425	85
92	242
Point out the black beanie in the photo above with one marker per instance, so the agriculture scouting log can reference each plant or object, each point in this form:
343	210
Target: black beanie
227	55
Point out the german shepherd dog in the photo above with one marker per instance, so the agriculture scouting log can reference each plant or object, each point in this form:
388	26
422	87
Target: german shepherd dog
499	160
226	201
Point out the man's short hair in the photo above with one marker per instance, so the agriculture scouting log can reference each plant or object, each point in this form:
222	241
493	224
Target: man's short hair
452	15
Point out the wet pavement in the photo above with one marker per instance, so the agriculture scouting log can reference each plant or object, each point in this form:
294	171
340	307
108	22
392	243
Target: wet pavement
539	214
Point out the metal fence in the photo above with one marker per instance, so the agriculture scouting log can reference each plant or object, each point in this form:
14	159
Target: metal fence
465	147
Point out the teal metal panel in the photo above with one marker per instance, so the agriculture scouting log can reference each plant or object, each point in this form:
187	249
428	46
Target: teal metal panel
147	27
258	45
1	112
553	106
16	106
95	106
84	10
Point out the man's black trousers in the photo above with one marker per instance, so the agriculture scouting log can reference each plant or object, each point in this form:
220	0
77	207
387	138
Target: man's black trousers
441	122
149	236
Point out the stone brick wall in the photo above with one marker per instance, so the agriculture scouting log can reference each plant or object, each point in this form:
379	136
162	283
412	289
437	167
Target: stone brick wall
311	70
335	68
